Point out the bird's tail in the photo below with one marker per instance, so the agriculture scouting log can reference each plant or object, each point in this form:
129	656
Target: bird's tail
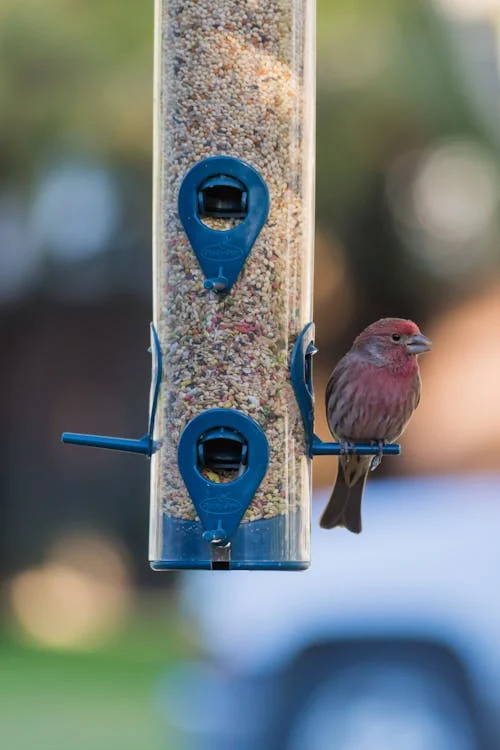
344	505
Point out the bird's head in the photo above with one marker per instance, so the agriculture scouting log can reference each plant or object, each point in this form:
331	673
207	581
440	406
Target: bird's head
392	341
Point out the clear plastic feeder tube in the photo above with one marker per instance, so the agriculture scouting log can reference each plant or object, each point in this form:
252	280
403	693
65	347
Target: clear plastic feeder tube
233	78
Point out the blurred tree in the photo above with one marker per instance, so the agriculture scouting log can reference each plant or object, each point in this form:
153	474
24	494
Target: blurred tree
74	73
388	86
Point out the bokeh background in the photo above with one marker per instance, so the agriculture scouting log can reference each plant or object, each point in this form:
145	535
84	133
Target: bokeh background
408	198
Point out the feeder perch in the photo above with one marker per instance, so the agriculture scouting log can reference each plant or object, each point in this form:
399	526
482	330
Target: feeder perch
144	444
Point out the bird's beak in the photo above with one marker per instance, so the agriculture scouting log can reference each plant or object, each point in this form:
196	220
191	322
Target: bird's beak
418	344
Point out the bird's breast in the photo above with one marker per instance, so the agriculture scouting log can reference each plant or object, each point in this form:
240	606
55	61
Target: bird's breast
373	404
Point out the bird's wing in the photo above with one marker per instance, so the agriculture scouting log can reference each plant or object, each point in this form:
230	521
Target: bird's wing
335	387
331	387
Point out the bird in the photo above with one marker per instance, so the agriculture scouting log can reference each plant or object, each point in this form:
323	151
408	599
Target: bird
370	397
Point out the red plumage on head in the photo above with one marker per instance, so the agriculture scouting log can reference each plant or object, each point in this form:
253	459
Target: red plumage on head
388	326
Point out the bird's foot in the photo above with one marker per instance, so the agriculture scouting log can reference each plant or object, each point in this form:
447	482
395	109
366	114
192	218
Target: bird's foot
377	459
345	446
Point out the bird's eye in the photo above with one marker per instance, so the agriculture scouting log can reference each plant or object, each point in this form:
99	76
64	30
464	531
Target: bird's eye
396	337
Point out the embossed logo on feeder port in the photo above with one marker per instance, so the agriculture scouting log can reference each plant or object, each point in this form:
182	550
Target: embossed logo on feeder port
221	252
221	506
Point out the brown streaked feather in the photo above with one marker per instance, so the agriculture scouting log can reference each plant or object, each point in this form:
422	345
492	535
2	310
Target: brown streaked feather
344	506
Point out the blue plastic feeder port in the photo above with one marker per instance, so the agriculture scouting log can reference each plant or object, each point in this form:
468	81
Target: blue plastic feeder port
222	187
228	445
225	444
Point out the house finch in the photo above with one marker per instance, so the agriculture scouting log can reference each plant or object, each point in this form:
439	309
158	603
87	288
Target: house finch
370	397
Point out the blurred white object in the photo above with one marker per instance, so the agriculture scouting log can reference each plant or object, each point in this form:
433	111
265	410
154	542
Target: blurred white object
75	211
395	631
470	10
445	202
20	258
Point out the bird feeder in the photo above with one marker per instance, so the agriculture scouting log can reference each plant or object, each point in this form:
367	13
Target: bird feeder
230	430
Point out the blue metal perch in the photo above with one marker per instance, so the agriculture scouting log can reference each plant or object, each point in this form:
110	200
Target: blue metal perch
142	445
145	444
319	448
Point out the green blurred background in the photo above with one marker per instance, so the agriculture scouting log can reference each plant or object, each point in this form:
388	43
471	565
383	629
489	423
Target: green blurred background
408	194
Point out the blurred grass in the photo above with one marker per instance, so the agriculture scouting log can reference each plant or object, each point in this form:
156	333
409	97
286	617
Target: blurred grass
102	700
